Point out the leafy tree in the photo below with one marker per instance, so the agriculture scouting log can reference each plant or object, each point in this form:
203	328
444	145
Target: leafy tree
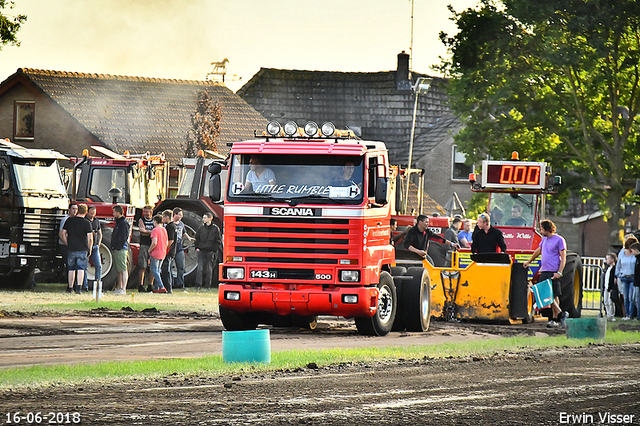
9	25
205	124
558	81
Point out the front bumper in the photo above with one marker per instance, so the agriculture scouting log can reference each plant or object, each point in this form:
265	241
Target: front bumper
303	300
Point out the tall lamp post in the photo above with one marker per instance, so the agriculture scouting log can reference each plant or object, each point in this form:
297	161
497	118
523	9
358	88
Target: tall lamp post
421	87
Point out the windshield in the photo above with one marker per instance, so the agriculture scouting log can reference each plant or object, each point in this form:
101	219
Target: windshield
103	180
278	178
513	209
38	176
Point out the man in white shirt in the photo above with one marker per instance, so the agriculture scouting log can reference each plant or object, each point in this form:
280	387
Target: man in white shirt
258	176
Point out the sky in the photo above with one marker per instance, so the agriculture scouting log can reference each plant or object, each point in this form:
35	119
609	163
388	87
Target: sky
180	38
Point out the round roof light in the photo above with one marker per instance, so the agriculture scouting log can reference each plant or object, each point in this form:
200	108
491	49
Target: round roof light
290	128
311	128
273	128
328	129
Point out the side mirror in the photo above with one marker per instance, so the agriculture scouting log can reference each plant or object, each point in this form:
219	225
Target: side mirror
214	169
382	188
215	187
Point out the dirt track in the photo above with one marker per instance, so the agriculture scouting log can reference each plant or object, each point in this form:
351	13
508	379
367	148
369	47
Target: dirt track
528	388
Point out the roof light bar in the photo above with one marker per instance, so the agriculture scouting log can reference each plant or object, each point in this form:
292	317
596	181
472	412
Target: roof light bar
311	128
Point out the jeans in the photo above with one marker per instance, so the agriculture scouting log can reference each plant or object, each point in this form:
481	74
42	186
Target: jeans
626	290
205	264
180	269
167	273
155	266
636	300
97	266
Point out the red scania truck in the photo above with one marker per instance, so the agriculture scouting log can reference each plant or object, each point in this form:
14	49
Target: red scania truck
306	218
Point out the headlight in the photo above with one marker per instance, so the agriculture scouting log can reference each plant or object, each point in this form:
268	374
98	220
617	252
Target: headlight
350	298
232	295
350	276
328	129
14	248
290	128
235	273
273	128
23	248
311	128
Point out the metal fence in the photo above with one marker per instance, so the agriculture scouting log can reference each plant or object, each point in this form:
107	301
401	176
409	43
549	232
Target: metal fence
592	273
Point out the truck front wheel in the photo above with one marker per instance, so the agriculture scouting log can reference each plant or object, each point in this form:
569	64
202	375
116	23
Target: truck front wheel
236	321
381	322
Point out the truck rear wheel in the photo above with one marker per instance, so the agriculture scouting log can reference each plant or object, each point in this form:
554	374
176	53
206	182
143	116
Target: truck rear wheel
381	322
571	283
309	322
416	297
236	321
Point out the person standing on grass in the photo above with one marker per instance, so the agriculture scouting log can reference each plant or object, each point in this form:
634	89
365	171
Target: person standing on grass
120	249
157	252
94	256
77	235
208	242
625	271
62	246
181	235
167	265
554	257
145	225
609	286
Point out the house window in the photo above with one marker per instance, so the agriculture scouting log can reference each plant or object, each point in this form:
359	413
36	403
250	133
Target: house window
25	119
459	170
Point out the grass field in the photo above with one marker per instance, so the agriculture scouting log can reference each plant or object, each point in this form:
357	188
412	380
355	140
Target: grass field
292	359
52	298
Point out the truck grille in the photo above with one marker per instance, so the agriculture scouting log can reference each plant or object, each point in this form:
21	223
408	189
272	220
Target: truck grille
40	229
294	240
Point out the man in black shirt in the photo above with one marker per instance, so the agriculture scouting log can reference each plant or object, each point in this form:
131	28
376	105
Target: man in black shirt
417	239
77	235
486	238
208	242
145	225
167	264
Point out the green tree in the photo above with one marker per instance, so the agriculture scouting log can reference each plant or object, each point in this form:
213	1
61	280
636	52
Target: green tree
205	125
558	81
9	24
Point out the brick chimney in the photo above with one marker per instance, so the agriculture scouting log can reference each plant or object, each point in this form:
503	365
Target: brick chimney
403	75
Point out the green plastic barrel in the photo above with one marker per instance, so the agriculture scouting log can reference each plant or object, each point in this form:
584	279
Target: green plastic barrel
586	328
246	346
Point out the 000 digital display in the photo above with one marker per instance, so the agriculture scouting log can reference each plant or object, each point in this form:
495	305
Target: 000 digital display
513	174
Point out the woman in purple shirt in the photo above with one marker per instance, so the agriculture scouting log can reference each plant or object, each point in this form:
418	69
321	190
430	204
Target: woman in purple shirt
554	256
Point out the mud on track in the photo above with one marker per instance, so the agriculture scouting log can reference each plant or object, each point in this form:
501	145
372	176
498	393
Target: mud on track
528	388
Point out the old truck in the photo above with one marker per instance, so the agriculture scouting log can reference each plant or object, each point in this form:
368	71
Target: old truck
33	200
131	181
494	286
315	239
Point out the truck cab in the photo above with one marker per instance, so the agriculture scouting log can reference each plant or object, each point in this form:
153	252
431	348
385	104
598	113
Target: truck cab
306	230
32	203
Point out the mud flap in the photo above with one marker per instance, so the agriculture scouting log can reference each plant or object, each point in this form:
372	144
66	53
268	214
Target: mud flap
519	292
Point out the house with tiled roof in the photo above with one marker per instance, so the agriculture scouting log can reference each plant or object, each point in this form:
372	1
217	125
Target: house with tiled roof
70	111
376	106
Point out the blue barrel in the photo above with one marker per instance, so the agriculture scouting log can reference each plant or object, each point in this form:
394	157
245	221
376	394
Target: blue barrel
246	346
